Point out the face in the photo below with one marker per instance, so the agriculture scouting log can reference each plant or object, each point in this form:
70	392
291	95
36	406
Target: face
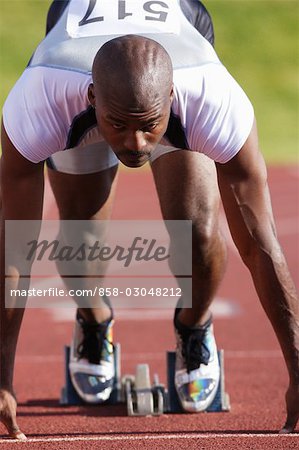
132	133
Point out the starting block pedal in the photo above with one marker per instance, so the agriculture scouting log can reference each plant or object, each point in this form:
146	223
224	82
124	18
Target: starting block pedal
221	401
142	398
69	396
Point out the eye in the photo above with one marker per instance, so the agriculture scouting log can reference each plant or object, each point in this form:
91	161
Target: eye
118	126
150	127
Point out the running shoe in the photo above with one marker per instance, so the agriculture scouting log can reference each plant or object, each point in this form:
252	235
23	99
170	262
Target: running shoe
197	369
91	365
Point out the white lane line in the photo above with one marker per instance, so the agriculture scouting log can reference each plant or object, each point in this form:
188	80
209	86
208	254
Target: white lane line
152	356
153	436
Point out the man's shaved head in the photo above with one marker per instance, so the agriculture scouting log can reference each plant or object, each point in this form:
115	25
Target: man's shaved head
133	69
132	92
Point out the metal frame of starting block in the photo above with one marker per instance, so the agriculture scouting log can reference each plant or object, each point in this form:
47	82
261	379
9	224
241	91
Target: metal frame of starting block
142	397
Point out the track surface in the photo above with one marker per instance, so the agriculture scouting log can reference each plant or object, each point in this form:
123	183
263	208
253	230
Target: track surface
255	374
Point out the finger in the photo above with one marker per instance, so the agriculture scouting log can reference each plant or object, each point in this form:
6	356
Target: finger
13	429
289	426
285	430
14	432
17	435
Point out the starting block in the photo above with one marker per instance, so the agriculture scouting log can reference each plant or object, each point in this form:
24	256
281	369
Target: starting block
142	397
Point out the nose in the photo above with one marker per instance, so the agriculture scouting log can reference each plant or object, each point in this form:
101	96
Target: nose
135	140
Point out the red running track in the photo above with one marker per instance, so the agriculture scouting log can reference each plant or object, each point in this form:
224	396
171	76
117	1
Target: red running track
255	374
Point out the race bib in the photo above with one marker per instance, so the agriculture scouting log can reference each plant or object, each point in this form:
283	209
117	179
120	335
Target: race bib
106	17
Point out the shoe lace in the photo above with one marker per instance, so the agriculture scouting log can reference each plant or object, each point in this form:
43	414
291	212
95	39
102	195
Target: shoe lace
94	340
194	349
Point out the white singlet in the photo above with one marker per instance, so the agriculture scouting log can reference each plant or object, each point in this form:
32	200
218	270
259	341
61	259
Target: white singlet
47	113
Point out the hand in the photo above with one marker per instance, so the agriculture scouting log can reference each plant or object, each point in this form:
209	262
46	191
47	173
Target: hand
292	401
8	415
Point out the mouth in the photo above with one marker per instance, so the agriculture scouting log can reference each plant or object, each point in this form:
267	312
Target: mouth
135	162
134	158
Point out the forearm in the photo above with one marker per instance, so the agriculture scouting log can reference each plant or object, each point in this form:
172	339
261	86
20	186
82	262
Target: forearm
11	315
279	299
246	200
10	323
22	199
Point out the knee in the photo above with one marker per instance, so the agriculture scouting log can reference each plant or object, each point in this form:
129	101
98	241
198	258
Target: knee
207	241
87	232
78	244
205	231
201	242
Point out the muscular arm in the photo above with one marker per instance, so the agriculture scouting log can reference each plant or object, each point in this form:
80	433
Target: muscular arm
22	198
246	199
21	183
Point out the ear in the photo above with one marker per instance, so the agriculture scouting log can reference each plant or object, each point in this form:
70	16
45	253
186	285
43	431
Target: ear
171	95
91	96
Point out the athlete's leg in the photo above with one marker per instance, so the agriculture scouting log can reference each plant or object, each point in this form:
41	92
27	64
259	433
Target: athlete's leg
85	197
187	188
83	200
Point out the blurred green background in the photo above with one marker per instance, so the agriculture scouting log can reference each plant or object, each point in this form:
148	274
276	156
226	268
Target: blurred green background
257	40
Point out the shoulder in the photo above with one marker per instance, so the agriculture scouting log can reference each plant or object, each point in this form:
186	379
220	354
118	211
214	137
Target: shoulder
206	89
40	108
199	87
214	110
47	76
212	76
44	88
